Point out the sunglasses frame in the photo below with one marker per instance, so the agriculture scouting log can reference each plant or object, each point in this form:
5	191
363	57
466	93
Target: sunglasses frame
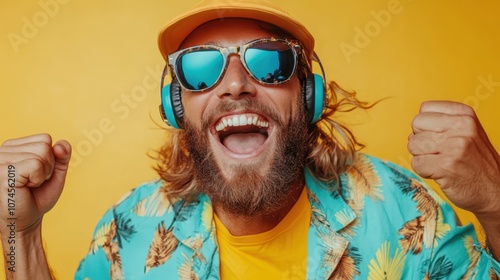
240	51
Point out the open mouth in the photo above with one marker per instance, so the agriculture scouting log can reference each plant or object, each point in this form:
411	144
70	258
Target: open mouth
242	134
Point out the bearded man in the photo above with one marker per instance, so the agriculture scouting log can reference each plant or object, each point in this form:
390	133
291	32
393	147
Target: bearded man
259	181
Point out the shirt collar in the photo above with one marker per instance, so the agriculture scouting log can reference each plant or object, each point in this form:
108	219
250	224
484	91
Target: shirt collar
330	203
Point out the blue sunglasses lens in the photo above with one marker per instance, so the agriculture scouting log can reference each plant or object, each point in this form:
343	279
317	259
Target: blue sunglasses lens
270	63
199	70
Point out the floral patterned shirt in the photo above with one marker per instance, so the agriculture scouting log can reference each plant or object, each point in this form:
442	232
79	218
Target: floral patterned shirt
380	222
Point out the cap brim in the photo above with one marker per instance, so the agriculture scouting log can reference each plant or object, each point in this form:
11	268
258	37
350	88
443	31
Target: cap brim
174	33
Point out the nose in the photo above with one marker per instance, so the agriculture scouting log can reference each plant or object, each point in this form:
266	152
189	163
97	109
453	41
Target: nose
236	80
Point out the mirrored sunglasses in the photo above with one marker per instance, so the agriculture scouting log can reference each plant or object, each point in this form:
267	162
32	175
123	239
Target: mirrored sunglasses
269	61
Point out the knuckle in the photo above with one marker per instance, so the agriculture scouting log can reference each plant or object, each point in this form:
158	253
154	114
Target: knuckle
417	166
7	142
469	122
415	121
410	147
414	163
37	164
411	136
38	171
45	149
466	125
41	151
467	109
461	145
428	144
456	122
425	104
416	124
448	163
470	126
45	137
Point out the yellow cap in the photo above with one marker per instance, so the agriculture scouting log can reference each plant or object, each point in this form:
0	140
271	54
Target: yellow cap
174	33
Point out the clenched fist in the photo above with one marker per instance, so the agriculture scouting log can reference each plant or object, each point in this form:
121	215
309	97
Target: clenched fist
450	146
32	175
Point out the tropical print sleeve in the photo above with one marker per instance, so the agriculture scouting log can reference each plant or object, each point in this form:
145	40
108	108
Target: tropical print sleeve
120	228
148	235
98	261
103	260
394	225
455	252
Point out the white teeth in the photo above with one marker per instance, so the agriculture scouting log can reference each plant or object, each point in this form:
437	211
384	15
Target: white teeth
236	121
243	120
240	120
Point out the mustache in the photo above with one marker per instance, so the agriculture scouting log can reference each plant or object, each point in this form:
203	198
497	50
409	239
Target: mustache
247	104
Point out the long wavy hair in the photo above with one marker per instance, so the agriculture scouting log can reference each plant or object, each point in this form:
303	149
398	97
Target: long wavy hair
331	146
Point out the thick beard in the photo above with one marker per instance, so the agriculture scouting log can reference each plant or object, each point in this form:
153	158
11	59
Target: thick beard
251	191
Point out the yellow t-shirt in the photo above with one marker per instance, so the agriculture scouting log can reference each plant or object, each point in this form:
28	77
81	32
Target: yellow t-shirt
280	253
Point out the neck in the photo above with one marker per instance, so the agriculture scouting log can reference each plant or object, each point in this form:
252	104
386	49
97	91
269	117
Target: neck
238	225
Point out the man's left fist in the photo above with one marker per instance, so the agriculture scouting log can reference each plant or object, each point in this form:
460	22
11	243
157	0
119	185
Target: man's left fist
450	146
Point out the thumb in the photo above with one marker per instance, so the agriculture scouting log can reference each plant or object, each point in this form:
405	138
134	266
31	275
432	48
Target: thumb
62	155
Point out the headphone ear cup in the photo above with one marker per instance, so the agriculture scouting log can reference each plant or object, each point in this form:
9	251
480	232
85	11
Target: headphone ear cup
314	97
171	105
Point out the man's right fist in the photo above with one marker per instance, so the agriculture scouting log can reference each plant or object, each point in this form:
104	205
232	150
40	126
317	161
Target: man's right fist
32	175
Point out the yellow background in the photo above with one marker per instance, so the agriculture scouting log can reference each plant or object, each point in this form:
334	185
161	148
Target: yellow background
73	67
